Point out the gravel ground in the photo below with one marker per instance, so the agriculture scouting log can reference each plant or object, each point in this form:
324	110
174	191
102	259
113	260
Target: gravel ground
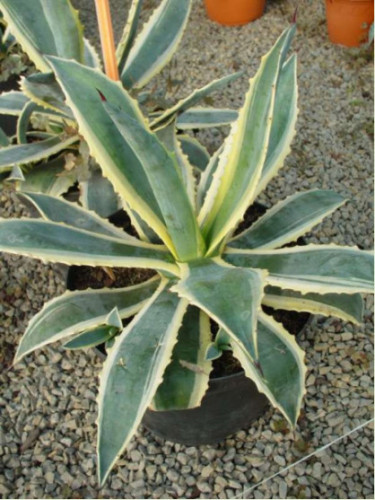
47	402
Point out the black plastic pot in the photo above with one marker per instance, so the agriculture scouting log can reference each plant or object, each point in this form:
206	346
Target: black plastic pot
230	404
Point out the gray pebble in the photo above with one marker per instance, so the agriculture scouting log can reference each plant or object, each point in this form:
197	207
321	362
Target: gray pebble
280	460
203	486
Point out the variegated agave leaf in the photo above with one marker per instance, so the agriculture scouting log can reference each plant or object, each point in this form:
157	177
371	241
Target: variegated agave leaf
231	296
91	338
134	369
48	177
33	152
194	98
54	242
283	123
169	138
282	381
185	380
128	34
200	117
207	177
12	103
240	167
311	268
197	154
103	334
346	307
23	122
53	28
43	89
140	168
74	312
288	220
155	44
59	210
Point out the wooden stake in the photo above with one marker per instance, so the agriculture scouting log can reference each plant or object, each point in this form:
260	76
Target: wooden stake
106	38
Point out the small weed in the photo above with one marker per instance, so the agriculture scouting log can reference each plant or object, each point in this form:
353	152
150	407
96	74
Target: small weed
301	445
357	102
280	426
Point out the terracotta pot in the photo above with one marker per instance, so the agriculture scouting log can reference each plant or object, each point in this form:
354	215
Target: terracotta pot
349	21
234	12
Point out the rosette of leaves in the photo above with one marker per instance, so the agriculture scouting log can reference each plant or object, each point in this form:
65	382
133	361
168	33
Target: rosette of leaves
162	357
52	28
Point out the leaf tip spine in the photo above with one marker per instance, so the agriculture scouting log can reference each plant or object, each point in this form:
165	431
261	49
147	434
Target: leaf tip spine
294	17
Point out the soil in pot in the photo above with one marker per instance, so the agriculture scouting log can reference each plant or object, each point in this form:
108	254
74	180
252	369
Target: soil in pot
232	400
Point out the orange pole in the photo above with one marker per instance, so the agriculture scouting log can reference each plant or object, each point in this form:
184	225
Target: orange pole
106	38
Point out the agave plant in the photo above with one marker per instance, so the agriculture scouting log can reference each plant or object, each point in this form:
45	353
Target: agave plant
52	28
162	358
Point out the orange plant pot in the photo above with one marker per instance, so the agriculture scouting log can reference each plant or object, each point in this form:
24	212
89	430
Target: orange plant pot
349	21
234	12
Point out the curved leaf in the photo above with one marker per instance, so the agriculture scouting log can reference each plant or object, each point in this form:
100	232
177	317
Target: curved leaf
49	177
311	268
156	43
185	381
58	210
194	98
34	151
133	371
12	103
241	162
23	122
54	242
280	372
205	118
43	89
74	312
288	220
91	338
197	154
346	307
